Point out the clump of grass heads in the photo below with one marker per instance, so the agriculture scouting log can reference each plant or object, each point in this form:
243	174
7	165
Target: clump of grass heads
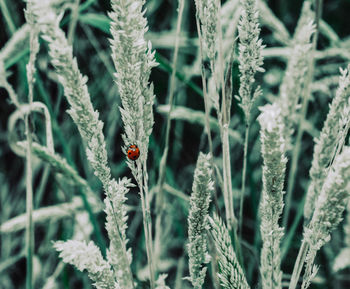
230	272
250	62
133	60
330	141
329	207
271	204
298	73
202	189
298	78
293	84
90	128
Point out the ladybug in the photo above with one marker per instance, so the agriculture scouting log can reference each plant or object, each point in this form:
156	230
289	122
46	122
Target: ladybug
133	152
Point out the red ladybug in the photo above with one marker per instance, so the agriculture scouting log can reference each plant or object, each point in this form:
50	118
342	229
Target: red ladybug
133	152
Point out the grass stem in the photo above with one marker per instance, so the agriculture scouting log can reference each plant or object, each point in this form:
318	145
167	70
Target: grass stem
225	110
73	21
147	225
302	118
244	175
163	162
29	209
298	266
207	110
34	48
10	24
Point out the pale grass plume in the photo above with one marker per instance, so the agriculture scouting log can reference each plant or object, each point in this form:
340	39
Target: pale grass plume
18	41
231	275
310	269
250	62
293	84
250	57
329	208
342	260
160	283
202	189
331	138
6	85
331	202
133	60
76	91
208	12
83	228
87	121
88	257
210	40
271	204
300	84
116	225
307	15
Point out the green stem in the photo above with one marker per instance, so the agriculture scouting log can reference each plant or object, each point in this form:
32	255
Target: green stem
298	266
86	5
34	48
293	168
10	24
163	162
288	239
237	247
205	94
73	21
207	112
142	180
29	209
225	111
244	174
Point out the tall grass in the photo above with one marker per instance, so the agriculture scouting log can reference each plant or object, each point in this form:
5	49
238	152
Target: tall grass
251	139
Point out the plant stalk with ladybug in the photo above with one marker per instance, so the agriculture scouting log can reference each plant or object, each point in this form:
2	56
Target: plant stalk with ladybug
133	59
